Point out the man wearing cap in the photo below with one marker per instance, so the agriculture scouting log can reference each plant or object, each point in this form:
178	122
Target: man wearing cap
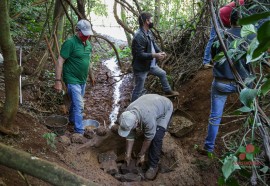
151	113
73	64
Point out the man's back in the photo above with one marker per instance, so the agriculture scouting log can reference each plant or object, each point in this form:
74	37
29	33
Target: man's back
222	69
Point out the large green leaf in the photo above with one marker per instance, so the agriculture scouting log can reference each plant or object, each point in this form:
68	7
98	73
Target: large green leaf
261	48
253	18
247	96
265	87
229	166
247	30
253	45
263	38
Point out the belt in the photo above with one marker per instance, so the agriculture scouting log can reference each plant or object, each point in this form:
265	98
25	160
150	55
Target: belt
224	80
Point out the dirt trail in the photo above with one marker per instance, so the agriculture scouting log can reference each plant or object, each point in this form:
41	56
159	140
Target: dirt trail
189	167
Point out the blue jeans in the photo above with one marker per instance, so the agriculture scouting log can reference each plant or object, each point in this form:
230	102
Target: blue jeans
219	94
156	147
207	52
76	93
140	78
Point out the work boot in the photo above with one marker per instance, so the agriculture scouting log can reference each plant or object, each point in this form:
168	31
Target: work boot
151	173
171	93
207	66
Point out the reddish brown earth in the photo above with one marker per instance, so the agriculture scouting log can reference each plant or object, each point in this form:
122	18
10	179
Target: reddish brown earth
190	168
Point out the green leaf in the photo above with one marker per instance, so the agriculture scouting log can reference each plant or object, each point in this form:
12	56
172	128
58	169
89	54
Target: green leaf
258	52
264	169
247	30
218	56
242	149
221	181
247	96
263	38
263	32
250	79
229	166
234	44
253	45
245	109
249	156
237	112
253	18
265	88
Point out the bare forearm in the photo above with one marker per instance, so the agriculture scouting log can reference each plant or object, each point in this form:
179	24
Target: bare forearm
145	146
59	68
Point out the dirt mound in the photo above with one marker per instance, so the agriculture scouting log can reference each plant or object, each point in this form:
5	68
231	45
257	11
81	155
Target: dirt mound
182	171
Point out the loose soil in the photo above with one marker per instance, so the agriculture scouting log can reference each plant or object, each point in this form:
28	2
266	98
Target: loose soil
184	165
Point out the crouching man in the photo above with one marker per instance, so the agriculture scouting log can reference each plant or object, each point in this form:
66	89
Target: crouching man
151	113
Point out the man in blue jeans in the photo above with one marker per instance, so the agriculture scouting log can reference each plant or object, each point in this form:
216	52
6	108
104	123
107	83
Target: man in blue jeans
224	14
145	54
151	113
73	63
224	84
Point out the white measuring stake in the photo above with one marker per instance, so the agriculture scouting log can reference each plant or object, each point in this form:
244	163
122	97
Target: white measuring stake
20	84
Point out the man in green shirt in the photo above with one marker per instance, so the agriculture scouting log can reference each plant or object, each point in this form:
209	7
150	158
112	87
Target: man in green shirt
73	63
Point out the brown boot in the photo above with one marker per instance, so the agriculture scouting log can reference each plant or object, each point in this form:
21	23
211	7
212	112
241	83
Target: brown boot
171	93
151	173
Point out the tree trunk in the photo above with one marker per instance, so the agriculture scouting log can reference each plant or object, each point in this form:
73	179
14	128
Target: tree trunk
157	13
58	21
119	21
42	169
11	70
123	16
81	8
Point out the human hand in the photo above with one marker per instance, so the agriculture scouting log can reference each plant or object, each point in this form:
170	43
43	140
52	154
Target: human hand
127	160
140	160
58	86
160	56
164	53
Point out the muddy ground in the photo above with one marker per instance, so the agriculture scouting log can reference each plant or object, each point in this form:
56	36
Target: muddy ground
189	167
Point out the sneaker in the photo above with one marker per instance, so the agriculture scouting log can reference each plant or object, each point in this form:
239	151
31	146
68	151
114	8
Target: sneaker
171	93
151	173
204	152
207	66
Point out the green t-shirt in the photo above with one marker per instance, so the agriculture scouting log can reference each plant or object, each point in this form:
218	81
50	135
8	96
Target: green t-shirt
77	60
